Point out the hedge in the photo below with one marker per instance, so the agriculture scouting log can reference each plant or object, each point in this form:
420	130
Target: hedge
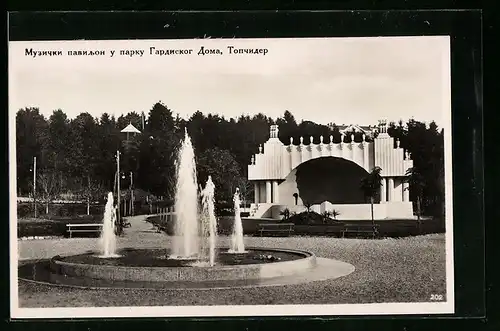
53	227
387	228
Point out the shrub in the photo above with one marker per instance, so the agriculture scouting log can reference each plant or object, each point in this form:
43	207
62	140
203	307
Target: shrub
306	218
326	216
53	227
285	213
224	208
58	209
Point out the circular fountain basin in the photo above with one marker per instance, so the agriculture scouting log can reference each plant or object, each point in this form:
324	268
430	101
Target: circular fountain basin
154	265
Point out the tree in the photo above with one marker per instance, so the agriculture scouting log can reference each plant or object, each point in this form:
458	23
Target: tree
93	190
160	120
157	152
223	168
58	136
156	166
246	189
84	150
287	126
86	146
31	141
326	215
49	185
371	185
416	184
425	144
334	214
133	118
108	141
308	206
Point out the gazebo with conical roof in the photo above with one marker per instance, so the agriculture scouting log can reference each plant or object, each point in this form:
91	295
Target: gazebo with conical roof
130	129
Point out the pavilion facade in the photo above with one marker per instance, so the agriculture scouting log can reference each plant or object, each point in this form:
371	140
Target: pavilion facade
272	171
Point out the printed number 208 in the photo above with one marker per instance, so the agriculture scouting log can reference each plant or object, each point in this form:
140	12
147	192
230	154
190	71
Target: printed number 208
436	297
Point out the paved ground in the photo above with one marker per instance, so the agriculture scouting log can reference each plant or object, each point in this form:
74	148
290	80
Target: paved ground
387	270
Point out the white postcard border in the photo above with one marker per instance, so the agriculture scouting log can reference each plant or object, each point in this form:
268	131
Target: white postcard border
447	307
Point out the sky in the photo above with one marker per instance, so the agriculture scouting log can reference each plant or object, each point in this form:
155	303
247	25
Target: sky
340	80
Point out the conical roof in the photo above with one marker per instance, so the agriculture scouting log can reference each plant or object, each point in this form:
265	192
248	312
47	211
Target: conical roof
130	128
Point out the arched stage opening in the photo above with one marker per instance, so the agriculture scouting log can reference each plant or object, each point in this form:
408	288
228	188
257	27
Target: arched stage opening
331	179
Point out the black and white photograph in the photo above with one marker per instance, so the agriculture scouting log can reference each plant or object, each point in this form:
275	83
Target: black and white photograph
230	177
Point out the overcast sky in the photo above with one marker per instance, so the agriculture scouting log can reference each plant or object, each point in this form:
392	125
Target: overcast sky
341	80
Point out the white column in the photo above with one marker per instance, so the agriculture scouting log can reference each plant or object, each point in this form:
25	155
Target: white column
275	191
390	189
383	190
268	192
256	192
366	160
406	192
399	191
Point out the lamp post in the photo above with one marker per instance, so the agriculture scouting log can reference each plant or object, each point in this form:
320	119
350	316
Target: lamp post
34	183
130	129
131	193
118	193
125	203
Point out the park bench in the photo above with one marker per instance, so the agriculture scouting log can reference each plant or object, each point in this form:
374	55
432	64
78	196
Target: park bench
83	228
276	229
367	229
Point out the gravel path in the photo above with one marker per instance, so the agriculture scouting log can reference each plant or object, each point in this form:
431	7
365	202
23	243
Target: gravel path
387	270
139	234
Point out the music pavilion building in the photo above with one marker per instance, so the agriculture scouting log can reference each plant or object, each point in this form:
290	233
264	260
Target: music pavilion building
328	175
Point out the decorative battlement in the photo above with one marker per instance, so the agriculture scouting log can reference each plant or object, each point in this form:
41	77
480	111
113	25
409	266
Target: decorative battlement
275	160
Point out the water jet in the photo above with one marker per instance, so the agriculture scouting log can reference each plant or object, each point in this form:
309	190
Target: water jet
194	259
108	236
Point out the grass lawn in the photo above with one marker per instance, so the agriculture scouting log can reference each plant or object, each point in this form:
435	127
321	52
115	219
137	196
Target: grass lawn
388	270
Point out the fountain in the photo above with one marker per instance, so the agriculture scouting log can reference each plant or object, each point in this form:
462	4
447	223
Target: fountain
194	260
237	243
186	241
108	236
209	222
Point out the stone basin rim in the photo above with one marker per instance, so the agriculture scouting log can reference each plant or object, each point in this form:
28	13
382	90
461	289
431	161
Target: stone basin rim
305	255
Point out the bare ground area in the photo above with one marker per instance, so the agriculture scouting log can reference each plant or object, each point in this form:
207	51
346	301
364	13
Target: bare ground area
387	270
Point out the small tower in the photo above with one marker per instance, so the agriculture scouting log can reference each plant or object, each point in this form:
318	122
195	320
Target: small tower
274	131
382	128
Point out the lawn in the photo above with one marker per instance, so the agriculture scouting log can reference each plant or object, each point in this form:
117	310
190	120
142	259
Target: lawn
388	270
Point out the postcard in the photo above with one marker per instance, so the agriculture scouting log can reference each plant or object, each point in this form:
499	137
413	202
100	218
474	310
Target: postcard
231	177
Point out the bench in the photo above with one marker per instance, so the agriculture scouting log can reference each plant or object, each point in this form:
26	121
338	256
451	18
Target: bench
86	228
276	228
369	229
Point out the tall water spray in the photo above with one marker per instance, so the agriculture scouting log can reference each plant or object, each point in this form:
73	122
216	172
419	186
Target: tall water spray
186	230
237	243
108	236
209	222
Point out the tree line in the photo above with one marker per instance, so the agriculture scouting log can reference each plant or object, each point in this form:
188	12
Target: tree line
76	157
